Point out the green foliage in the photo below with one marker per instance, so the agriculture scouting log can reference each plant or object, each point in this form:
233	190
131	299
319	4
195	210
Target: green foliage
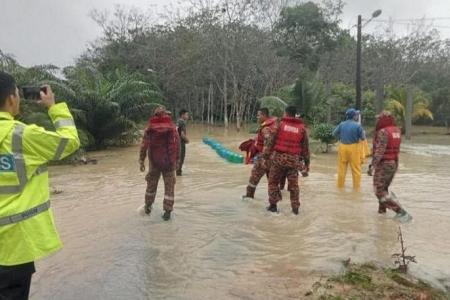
358	278
319	105
397	104
324	133
275	105
309	94
368	109
106	107
109	105
286	93
86	139
211	63
304	32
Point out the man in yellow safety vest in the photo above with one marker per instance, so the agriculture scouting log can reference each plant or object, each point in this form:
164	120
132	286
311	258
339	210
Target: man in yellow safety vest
27	229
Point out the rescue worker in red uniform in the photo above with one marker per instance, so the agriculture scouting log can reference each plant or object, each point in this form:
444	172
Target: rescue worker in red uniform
290	154
261	165
161	144
302	171
386	149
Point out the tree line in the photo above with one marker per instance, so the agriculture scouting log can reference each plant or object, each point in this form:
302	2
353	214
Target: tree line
222	59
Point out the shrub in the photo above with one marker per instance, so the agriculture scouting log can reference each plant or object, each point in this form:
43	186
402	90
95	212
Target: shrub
324	133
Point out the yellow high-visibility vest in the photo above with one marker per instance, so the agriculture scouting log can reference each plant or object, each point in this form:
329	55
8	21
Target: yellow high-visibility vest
27	228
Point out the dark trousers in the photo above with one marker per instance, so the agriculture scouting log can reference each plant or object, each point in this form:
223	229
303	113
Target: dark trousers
15	281
180	161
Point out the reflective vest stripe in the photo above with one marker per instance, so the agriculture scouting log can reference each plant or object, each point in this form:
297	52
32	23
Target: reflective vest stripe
63	123
29	213
60	150
17	150
19	161
10	189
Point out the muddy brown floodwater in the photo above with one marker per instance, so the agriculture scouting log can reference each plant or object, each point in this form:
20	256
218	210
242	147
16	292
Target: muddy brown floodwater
220	247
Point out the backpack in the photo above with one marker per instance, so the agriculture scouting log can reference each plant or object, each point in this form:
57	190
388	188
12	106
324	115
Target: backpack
164	146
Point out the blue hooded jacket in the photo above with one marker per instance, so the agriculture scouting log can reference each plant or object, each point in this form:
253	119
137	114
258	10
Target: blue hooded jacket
349	131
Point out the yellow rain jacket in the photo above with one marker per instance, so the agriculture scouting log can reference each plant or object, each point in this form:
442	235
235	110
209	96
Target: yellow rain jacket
27	229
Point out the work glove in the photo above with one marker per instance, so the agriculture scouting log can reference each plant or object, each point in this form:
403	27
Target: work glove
141	166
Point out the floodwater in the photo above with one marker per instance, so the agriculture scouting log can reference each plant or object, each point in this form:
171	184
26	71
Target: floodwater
218	246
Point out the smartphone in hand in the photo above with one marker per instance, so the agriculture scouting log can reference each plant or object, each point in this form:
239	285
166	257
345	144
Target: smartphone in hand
32	92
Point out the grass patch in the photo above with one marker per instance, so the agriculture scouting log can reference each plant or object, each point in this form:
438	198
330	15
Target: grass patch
356	278
368	281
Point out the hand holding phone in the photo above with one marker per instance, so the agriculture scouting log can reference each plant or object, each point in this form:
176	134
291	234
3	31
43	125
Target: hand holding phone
32	92
47	97
42	94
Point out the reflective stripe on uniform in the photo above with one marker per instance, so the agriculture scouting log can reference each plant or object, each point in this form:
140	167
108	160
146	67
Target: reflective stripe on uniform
60	150
19	162
63	123
25	214
17	149
169	198
21	171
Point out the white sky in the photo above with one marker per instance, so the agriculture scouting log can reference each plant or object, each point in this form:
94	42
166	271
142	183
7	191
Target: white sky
57	31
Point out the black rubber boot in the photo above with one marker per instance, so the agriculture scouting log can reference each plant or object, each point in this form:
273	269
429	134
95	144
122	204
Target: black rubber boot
272	208
147	209
166	215
295	210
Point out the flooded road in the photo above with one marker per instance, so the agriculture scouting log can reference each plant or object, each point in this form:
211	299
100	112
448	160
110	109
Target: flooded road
220	247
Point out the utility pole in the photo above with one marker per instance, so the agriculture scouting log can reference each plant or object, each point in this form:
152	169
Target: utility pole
358	56
358	64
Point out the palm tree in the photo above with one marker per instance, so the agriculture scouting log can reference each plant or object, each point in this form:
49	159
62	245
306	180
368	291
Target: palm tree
275	105
109	106
106	108
396	104
8	63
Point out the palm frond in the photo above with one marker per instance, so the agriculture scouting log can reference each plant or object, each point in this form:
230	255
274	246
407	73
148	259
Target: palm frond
421	111
275	105
395	107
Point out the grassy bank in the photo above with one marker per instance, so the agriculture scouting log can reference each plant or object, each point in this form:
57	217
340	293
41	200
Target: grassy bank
368	281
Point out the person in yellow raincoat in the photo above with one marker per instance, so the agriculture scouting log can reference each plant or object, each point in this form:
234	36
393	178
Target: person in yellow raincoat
351	137
27	228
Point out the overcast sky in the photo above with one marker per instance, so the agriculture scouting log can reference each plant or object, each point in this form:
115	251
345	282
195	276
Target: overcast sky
57	31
